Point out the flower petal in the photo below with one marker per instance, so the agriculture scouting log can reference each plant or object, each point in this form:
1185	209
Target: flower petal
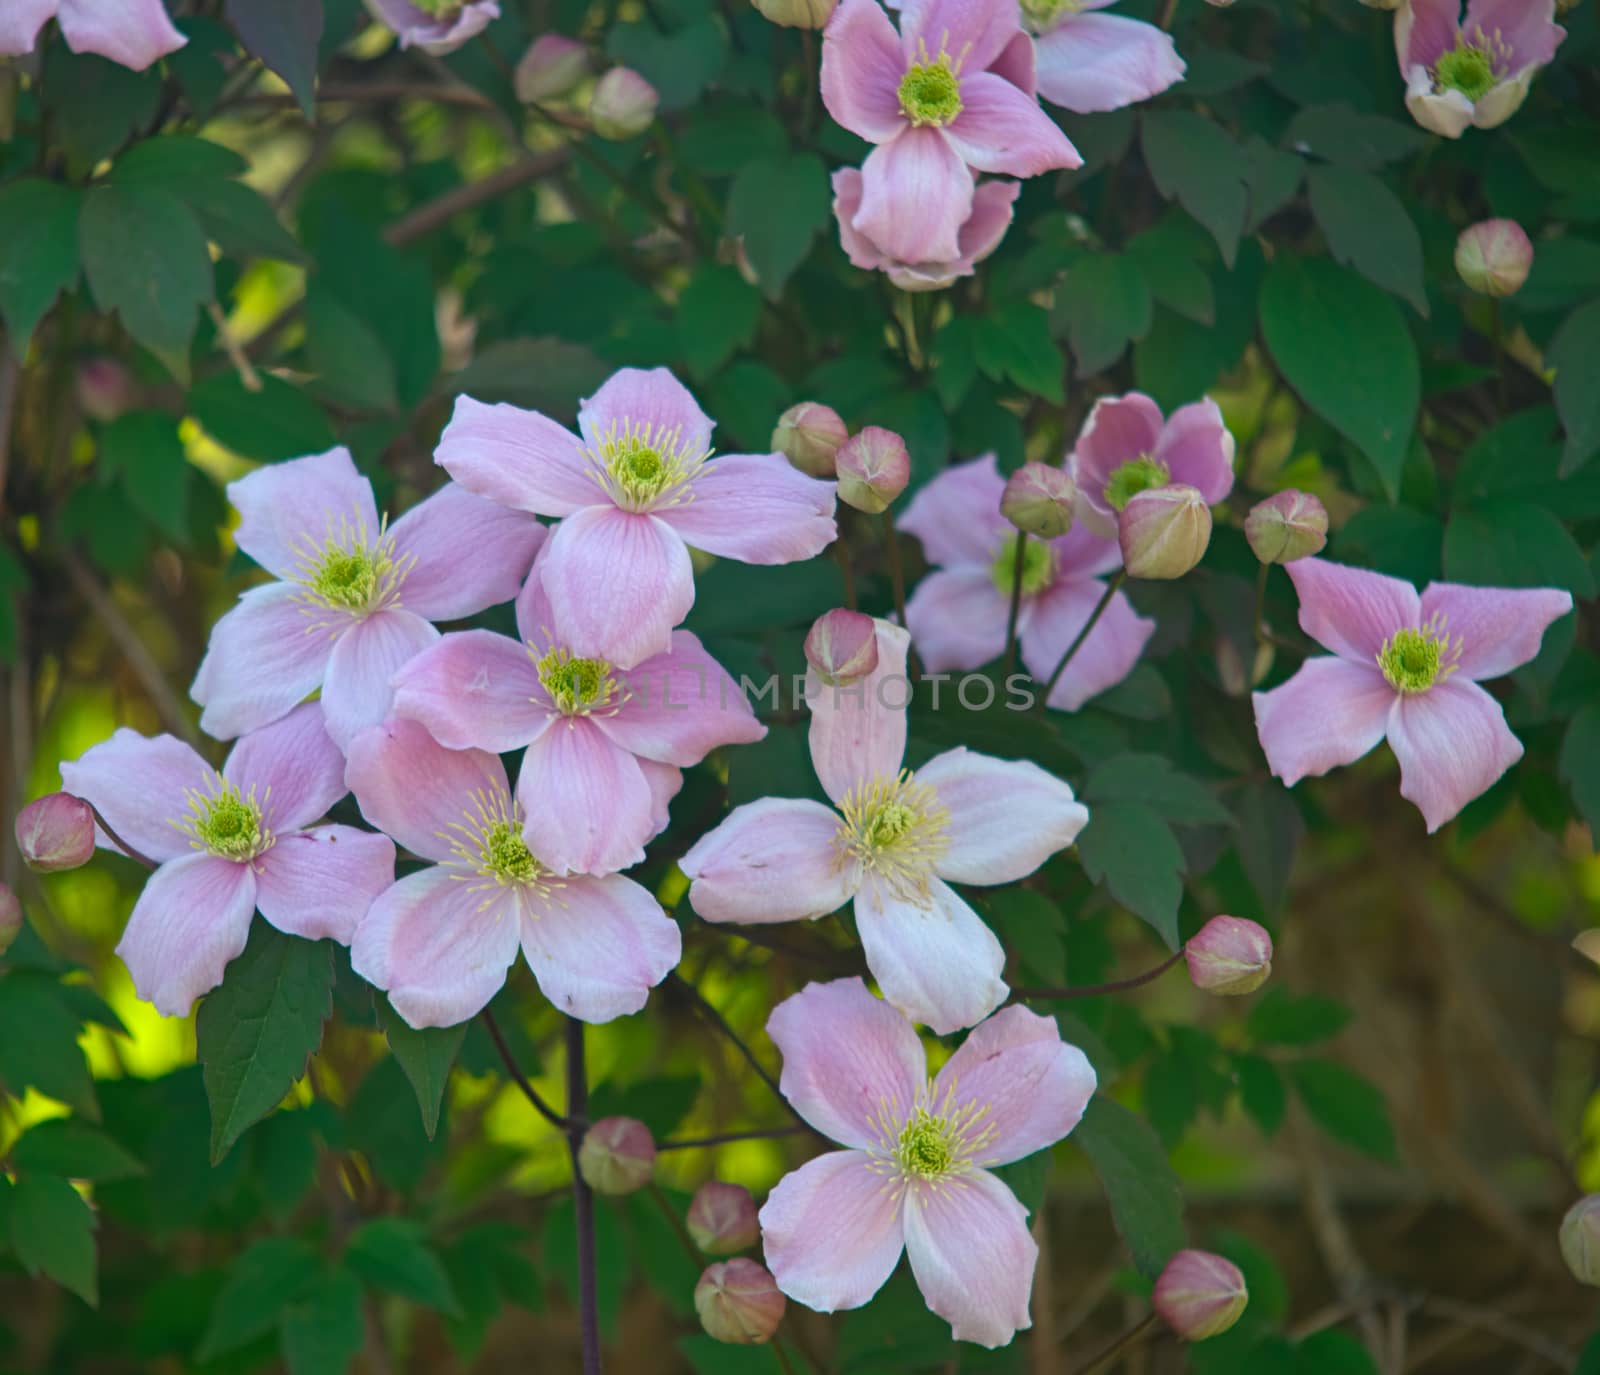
1447	113
756	508
976	34
265	655
650	400
992	206
287	510
939	964
355	691
957	515
474	689
1105	658
1527	28
861	251
470	553
1499	628
536	619
861	71
21	20
1424	30
191	919
957	618
1000	129
1093	63
132	33
1018	64
665	782
518	458
1349	610
1329	714
588	807
320	883
1119	429
1084	552
294	767
680	706
858	731
140	786
769	861
1453	744
831	1232
1197	448
916	193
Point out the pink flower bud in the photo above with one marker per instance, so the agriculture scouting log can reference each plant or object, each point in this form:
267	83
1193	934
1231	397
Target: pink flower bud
797	14
624	104
1164	531
1580	1240
722	1218
1229	956
1493	258
1039	499
618	1156
873	469
842	646
550	68
809	435
55	833
105	389
1200	1295
1291	525
10	918
739	1302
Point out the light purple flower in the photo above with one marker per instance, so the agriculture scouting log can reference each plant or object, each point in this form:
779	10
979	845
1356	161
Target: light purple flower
958	612
636	490
227	845
604	745
951	93
980	234
435	26
1089	62
356	595
440	941
915	1174
1475	72
1407	668
132	33
1125	447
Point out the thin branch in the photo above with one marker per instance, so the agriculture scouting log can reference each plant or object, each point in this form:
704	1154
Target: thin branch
1100	990
138	857
550	1115
426	218
583	1199
1126	1342
1077	643
10	372
756	1134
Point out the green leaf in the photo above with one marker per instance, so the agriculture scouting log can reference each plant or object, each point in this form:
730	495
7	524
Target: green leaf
1579	765
1269	831
280	421
718	143
143	451
1103	305
1346	1106
1129	848
426	1056
175	163
284	34
1261	1091
1342	135
1197	163
543	374
95	104
718	314
255	1032
262	1281
680	65
1013	343
1274	179
778	204
1514	544
38	253
1170	1099
1146	1201
661	1104
323	1332
1151	779
1032	928
241	221
1281	1018
707	1356
393	1254
350	363
39	1043
1368	228
1174	273
201	65
1573	354
52	1232
74	1150
1331	1352
1342	344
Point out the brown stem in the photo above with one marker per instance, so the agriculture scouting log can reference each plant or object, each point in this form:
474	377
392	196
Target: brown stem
1018	548
1100	990
426	218
550	1115
1126	1342
758	1134
1077	643
676	1223
136	856
582	1198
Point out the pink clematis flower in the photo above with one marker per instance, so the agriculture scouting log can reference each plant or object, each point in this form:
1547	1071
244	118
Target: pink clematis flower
895	845
939	100
441	941
131	33
979	237
227	845
1407	668
1125	447
958	612
435	26
635	491
1474	73
1090	63
355	597
915	1171
614	739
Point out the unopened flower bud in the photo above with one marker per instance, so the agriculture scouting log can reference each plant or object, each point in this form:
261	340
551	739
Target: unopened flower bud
1291	525
1587	943
842	646
1039	499
10	918
722	1218
1580	1240
551	67
739	1302
809	435
624	104
1381	4
618	1156
105	389
873	469
797	14
1164	531
56	832
1493	258
1229	956
1200	1295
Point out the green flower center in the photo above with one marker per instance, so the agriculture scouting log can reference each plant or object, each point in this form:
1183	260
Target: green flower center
927	1145
576	686
895	830
1414	660
1040	15
1467	68
892	821
506	857
642	467
227	824
438	9
489	851
1038	567
346	578
1139	475
930	92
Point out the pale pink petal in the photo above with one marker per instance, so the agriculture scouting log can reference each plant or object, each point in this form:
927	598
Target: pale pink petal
320	883
438	34
1197	449
1001	129
769	861
470	553
1030	1086
972	1256
618	583
191	919
957	618
598	946
1084	552
975	33
858	731
287	511
992	206
938	963
831	1232
1527	28
536	619
1092	63
294	768
957	515
861	71
140	785
265	655
1102	661
665	783
1453	744
21	20
474	689
355	691
1329	714
1119	430
916	193
588	807
861	251
438	946
680	706
757	508
1018	64
1446	113
1351	611
1007	816
410	786
1424	30
650	401
518	458
132	33
1499	628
